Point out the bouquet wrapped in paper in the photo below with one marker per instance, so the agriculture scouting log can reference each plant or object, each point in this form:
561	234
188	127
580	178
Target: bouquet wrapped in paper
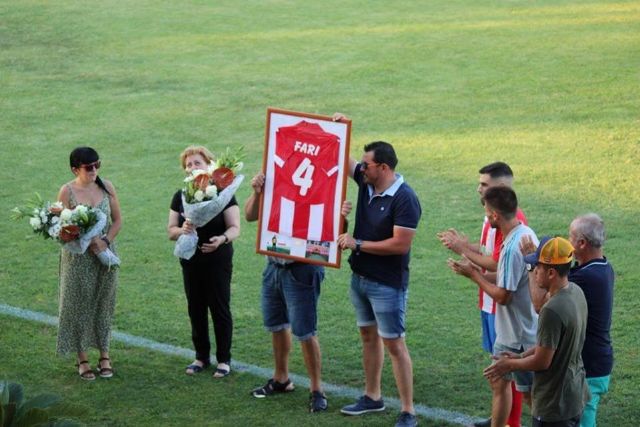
74	228
205	195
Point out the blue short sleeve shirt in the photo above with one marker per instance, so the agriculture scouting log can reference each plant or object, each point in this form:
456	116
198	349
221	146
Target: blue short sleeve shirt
376	216
596	279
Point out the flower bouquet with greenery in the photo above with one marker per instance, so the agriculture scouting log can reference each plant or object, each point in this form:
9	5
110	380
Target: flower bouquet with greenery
74	228
205	195
44	217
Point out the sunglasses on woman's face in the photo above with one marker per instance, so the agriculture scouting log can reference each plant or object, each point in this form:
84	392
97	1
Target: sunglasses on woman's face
91	166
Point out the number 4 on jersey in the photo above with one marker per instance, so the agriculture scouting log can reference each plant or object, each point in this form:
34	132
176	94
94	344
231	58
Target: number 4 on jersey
302	177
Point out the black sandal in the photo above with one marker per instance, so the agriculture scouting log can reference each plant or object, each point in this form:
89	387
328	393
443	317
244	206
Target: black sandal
87	374
104	372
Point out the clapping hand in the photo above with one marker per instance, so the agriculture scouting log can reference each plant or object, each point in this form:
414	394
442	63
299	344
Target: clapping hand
463	267
500	366
527	246
453	240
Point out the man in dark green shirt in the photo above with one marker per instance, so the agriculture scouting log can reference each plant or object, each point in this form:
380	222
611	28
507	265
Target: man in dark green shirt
559	384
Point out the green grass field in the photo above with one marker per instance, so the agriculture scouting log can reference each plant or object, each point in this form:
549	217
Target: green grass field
551	87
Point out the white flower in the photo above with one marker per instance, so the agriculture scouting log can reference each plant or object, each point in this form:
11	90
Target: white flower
199	196
211	191
197	172
212	166
54	220
54	231
57	205
65	215
43	217
81	209
189	178
35	222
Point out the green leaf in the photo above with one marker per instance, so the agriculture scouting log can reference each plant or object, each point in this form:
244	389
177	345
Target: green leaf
18	213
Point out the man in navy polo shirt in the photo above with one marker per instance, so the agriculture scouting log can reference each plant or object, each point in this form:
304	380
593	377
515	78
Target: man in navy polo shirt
387	215
595	276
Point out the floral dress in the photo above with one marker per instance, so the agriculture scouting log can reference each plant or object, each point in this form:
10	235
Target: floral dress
87	296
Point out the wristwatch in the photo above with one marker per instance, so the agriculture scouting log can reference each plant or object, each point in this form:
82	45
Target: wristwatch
226	239
358	246
106	240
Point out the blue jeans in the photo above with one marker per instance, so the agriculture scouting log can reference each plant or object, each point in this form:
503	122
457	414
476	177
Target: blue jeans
376	303
597	386
290	294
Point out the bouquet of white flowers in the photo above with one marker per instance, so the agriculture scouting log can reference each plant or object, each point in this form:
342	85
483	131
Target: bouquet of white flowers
44	217
205	195
74	228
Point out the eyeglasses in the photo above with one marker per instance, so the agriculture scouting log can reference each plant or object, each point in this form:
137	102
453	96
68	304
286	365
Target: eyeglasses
366	165
91	166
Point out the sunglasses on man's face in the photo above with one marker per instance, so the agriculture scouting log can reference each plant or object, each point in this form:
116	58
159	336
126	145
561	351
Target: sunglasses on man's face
91	166
366	165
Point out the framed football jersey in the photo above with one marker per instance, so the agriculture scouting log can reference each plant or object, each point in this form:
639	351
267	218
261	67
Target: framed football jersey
305	165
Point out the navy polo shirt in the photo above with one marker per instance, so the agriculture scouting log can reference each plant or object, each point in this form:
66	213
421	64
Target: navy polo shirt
376	215
596	278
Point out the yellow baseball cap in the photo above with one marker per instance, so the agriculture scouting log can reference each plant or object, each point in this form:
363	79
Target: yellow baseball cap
551	251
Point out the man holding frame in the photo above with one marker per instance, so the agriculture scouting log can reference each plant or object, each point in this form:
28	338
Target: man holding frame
387	215
286	306
297	200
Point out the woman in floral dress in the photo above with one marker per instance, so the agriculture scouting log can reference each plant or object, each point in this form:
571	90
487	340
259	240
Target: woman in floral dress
87	287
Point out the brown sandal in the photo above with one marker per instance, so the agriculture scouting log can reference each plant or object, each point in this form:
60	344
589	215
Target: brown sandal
104	372
87	374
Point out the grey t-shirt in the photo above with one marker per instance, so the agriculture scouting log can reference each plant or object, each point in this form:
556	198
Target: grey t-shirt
560	392
516	322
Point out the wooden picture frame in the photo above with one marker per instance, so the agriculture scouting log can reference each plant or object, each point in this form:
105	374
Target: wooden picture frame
306	160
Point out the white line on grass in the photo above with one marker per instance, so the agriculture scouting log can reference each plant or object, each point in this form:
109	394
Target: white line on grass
335	389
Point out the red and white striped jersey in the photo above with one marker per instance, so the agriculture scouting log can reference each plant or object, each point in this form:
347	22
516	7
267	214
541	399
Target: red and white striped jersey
306	172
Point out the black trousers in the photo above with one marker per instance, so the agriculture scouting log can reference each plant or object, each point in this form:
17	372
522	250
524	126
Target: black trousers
208	290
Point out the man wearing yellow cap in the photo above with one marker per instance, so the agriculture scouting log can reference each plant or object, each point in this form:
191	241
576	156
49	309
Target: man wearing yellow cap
559	385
